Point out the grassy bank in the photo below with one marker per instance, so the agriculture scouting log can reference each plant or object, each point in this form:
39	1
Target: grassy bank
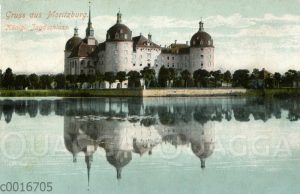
277	93
72	93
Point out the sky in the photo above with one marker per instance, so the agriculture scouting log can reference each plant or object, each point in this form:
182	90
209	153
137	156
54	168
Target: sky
247	34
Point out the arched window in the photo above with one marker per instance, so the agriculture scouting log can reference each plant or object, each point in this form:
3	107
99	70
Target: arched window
125	36
201	42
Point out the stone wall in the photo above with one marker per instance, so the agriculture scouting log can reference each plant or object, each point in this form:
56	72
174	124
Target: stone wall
192	92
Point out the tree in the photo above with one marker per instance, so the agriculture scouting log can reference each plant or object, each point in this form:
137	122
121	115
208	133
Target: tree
172	75
255	74
240	78
277	77
91	79
45	81
21	82
201	77
227	77
186	75
134	79
289	77
33	81
1	78
109	77
72	80
8	79
163	76
121	76
218	76
148	75
60	80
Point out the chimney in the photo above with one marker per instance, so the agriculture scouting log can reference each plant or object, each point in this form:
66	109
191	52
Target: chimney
149	37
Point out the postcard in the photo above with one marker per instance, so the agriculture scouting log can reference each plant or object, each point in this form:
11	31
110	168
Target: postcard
149	97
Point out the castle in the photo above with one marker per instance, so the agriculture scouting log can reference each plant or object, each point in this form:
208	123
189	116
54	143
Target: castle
122	52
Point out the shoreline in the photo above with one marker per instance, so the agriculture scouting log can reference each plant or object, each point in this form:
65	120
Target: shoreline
190	92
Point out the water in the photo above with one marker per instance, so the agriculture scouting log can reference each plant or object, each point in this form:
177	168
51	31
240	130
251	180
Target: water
152	145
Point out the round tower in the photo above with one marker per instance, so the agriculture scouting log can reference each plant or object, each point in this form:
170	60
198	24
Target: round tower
119	47
69	47
201	51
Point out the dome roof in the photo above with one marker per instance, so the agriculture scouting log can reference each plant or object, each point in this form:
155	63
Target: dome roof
119	31
201	38
72	43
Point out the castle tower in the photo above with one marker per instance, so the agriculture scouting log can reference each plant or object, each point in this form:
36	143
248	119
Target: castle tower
70	45
89	32
201	50
118	48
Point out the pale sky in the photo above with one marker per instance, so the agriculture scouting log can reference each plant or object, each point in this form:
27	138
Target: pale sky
247	34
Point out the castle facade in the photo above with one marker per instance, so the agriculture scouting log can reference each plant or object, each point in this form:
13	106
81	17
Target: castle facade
123	52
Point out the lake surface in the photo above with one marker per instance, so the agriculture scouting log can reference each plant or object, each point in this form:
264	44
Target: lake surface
152	145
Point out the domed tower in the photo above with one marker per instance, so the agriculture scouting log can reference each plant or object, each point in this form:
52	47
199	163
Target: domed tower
202	143
201	51
119	159
70	45
119	47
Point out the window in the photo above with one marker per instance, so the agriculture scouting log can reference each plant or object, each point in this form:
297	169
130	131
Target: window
117	36
202	49
201	64
148	55
121	31
168	58
125	36
172	58
201	42
201	56
149	64
133	64
82	62
141	64
108	36
209	42
156	65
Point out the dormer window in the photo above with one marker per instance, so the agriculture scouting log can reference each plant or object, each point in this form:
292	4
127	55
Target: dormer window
117	35
201	42
125	36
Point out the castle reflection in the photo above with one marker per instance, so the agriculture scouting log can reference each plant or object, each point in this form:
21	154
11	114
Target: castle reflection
124	127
